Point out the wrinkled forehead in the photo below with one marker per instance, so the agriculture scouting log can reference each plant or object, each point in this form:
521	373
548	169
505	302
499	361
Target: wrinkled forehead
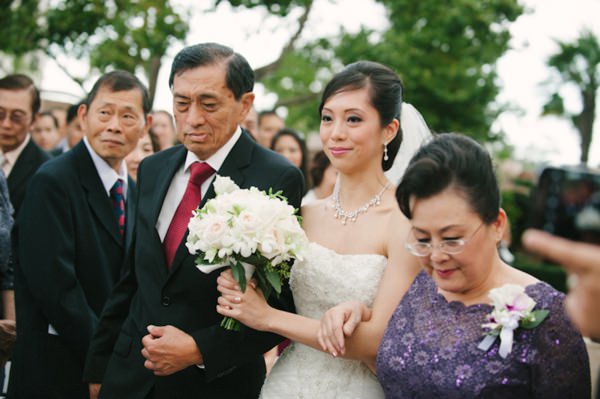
16	100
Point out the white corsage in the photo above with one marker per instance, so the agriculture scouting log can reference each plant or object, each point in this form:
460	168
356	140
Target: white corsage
513	308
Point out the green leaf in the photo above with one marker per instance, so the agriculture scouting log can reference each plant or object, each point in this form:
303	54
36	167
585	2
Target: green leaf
274	280
536	318
239	275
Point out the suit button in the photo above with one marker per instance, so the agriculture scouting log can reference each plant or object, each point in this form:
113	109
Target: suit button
166	301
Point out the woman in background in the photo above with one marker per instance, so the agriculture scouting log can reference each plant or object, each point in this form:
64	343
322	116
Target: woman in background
323	176
288	143
146	146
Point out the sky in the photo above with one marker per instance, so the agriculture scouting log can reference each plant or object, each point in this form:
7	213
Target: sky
521	70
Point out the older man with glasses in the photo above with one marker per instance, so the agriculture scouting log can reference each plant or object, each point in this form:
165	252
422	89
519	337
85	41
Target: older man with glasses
19	157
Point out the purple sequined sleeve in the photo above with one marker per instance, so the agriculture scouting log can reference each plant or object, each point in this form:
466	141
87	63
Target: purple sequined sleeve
430	350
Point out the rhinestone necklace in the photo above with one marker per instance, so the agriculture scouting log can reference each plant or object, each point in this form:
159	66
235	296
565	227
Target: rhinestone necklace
344	216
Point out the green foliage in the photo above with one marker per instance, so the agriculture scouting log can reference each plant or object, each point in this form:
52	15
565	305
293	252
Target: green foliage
445	54
275	7
115	34
19	26
578	64
542	270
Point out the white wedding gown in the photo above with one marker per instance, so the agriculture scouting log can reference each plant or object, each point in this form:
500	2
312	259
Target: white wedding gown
322	281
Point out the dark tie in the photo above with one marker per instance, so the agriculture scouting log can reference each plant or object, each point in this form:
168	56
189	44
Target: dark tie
118	203
199	172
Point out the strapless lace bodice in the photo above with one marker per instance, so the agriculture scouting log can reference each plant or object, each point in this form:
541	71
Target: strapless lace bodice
323	280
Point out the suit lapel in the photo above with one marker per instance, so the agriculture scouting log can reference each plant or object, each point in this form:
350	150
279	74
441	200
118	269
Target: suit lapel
130	206
97	198
238	158
22	169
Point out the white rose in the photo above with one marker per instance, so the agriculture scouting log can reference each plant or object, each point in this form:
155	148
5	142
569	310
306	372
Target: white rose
215	229
224	184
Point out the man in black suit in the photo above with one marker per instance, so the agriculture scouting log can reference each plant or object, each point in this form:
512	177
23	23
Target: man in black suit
159	336
71	240
20	157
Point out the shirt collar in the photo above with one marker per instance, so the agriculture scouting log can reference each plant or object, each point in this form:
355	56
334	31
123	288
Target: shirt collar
107	174
13	155
217	159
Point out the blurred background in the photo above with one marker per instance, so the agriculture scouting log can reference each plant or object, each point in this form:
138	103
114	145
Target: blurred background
520	76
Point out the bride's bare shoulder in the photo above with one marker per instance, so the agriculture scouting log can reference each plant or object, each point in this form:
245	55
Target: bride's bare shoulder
316	212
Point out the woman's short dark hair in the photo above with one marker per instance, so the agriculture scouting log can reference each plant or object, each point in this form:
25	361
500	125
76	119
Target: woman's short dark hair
452	160
120	81
385	92
239	76
296	136
319	165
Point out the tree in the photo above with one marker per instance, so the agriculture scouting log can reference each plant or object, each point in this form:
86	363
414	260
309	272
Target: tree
132	35
577	64
447	59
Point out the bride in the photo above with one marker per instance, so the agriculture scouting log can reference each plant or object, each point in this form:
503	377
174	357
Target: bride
356	241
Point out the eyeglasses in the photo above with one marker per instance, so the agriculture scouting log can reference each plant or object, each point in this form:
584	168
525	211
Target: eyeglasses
16	117
450	247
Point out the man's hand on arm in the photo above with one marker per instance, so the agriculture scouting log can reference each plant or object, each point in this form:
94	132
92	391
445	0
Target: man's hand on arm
168	350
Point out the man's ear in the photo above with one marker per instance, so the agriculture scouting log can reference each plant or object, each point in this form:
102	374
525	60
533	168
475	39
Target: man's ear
246	101
147	126
82	112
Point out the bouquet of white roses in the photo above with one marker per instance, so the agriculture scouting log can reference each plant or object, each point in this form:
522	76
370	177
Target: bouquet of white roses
513	308
255	233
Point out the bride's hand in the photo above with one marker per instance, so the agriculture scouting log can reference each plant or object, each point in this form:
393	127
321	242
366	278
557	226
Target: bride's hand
249	308
339	322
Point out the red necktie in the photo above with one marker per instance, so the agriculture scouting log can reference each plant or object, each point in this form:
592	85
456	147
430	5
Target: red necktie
199	172
118	203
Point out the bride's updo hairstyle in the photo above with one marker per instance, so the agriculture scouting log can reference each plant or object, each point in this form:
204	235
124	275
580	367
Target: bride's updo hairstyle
457	161
385	92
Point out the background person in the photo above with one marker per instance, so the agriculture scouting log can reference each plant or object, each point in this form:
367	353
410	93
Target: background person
74	130
323	176
288	143
583	300
7	308
143	149
72	235
21	157
164	129
45	131
269	123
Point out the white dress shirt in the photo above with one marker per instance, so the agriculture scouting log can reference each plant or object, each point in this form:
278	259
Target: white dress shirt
10	157
180	180
107	174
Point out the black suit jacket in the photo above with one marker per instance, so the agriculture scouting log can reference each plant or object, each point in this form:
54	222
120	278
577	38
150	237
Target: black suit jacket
27	164
184	297
69	255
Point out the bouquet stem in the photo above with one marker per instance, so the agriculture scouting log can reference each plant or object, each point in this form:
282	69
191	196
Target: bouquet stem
230	324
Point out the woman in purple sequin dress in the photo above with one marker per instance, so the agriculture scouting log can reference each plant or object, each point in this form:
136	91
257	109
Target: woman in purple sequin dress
431	347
